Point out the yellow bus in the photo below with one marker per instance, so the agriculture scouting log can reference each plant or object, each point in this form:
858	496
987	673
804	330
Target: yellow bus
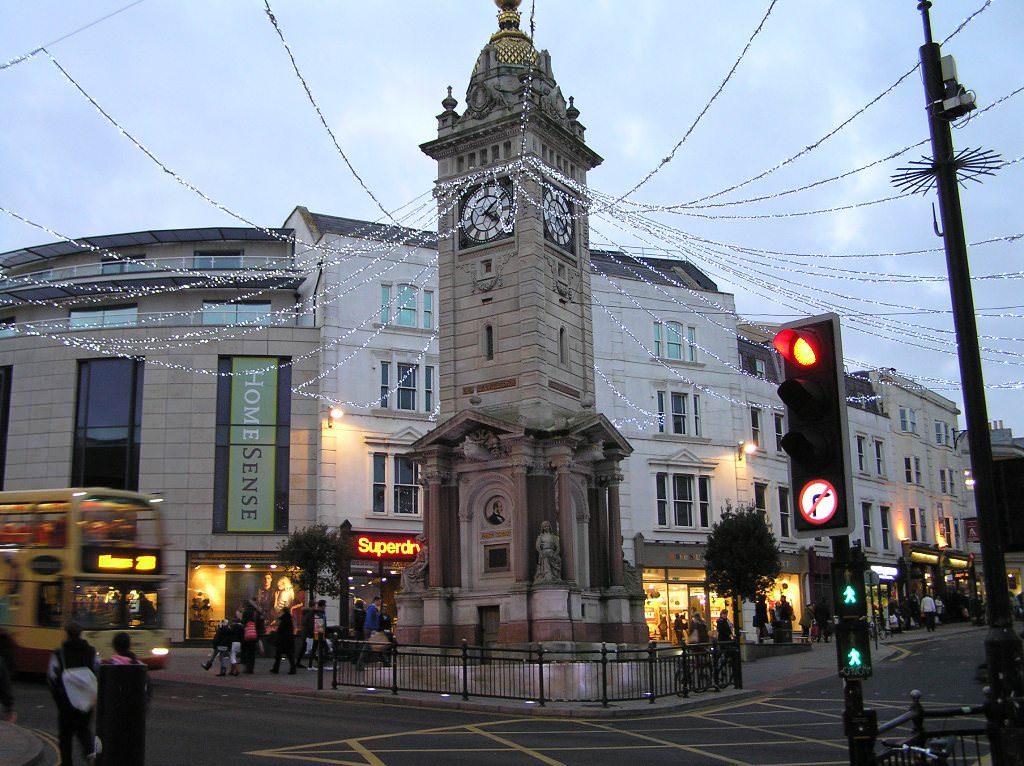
92	555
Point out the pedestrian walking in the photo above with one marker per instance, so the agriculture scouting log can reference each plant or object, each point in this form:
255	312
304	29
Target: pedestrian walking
370	626
761	618
284	641
806	620
236	632
723	628
314	626
679	628
823	618
928	612
6	689
66	667
221	648
252	629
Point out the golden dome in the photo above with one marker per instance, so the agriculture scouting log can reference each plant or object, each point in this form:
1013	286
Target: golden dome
512	44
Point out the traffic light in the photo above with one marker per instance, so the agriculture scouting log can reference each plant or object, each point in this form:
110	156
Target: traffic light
848	590
853	648
814	392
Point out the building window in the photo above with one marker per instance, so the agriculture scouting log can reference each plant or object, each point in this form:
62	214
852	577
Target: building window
428	310
217	259
674	340
657	339
8	328
913	523
924	524
380	482
678	413
865	510
681	499
912	470
760	370
403	483
861	458
252	453
661	486
563	347
407	486
691	344
489	342
105	316
704	498
784	511
411	307
407	386
942	433
761	499
879	458
660	395
385	384
943	487
428	389
883	514
947	531
908	420
242	312
696	415
755	426
108	424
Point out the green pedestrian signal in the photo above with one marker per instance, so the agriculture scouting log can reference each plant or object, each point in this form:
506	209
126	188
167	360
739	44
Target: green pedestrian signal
848	590
853	645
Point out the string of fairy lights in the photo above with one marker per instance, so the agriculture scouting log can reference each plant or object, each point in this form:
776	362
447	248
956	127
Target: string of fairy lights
760	268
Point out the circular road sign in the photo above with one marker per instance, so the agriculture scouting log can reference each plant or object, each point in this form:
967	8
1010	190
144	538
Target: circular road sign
818	501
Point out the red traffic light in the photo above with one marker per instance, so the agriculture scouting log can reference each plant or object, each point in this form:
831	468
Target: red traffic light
798	347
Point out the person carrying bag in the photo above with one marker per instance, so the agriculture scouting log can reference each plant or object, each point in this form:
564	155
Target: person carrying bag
73	683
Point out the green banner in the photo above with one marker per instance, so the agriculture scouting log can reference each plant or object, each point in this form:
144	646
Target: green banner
252	444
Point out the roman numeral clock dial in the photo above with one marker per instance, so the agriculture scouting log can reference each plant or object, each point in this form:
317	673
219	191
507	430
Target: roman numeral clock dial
486	215
558	219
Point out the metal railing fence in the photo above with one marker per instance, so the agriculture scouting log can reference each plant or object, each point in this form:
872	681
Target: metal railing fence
606	673
961	739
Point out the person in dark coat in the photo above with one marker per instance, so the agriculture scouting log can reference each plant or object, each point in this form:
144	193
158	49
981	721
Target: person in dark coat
75	652
358	618
823	616
285	638
249	645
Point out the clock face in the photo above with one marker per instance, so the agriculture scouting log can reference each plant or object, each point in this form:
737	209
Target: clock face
487	214
558	218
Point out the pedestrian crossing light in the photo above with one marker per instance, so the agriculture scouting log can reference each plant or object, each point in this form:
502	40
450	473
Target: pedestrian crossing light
848	590
853	643
814	393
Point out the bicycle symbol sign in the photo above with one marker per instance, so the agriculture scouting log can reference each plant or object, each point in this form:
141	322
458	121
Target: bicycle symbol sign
818	501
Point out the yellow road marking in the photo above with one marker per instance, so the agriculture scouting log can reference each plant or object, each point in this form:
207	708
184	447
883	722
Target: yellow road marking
672	745
513	746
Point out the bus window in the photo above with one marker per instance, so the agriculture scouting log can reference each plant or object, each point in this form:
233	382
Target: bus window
100	606
114	519
49	611
50	530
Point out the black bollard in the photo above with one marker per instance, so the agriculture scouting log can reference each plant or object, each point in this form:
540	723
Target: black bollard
121	715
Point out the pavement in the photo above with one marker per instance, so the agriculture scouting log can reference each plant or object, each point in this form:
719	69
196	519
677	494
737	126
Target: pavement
20	747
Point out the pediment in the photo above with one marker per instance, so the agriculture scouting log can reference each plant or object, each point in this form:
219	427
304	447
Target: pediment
454	430
684	458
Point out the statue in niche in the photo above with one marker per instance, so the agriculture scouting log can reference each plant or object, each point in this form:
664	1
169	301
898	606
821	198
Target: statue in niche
495	513
549	555
414	576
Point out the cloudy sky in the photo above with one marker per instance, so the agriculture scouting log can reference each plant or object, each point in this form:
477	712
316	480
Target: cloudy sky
819	89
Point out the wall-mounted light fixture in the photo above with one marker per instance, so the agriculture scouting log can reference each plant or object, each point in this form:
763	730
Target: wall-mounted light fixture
334	414
745	448
968	479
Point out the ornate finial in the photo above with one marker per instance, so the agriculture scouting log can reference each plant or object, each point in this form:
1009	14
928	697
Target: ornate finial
571	111
449	102
514	45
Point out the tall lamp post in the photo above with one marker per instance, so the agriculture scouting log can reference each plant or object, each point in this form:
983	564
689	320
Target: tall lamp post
946	100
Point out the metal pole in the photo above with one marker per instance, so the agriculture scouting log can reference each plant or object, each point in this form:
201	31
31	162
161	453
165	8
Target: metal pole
1002	647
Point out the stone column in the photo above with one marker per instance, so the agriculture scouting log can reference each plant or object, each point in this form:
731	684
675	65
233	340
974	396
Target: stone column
615	569
436	539
522	546
566	517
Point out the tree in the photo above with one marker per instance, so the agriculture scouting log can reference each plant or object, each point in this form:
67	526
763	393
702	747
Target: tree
314	557
742	556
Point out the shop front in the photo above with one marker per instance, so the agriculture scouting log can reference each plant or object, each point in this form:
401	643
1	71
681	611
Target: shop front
220	584
675	583
947	574
376	570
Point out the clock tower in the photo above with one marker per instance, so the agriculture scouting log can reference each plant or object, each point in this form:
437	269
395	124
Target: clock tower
521	505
